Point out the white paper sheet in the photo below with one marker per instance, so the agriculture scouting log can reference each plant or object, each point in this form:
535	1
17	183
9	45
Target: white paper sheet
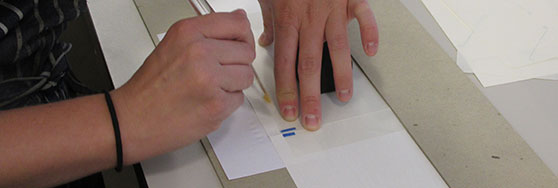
242	146
360	144
391	160
501	41
364	147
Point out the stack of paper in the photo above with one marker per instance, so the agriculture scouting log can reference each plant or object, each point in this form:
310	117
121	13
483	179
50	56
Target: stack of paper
501	41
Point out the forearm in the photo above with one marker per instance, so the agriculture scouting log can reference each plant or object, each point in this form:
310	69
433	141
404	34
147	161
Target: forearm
173	100
55	143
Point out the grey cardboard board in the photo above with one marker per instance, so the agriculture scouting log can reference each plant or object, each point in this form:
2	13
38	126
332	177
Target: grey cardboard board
461	133
455	125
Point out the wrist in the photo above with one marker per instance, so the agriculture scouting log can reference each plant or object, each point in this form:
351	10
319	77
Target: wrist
127	115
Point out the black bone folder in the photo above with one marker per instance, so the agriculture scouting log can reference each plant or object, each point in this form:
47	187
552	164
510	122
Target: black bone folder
326	81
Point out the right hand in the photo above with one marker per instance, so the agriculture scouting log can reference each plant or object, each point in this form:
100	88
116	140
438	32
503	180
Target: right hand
191	82
304	25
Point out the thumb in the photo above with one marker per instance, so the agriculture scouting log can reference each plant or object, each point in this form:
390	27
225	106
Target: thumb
266	38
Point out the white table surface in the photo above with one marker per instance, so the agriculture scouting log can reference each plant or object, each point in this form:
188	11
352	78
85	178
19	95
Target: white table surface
531	107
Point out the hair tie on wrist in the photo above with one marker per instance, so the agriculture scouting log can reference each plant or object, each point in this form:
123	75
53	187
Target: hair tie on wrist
119	157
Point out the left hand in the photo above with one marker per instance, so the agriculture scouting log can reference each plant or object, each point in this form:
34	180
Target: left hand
305	24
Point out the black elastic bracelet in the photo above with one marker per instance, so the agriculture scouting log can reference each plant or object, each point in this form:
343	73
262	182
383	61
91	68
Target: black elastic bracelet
118	140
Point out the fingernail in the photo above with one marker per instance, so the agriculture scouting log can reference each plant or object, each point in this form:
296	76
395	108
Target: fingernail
370	48
289	113
311	122
344	94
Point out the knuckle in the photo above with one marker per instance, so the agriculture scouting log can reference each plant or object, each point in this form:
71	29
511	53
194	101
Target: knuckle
311	12
332	5
309	65
252	56
251	53
339	42
286	24
360	6
199	49
182	26
311	100
241	21
216	107
246	79
286	17
249	79
283	64
368	27
204	80
245	25
287	94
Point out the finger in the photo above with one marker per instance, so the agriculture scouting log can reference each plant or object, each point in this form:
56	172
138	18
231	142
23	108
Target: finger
286	31
232	52
225	26
267	36
368	26
228	102
235	100
338	44
235	78
309	70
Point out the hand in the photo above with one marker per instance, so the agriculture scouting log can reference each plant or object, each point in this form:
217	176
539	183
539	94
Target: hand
305	23
191	82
